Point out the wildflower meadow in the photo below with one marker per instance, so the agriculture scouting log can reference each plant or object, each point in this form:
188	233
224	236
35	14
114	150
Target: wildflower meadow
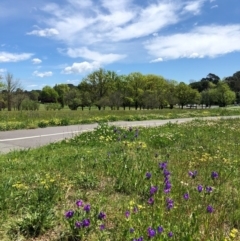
173	182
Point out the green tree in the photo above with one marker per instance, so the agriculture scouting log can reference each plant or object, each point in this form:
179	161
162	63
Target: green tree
224	95
18	98
99	84
10	86
34	95
136	84
186	95
208	96
205	83
154	91
171	93
117	90
48	95
234	84
62	90
73	98
1	83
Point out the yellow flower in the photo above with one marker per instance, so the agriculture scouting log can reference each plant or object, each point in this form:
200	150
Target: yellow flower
232	235
234	230
131	203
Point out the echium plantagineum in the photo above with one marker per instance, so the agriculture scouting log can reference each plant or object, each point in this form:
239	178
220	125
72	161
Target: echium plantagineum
214	175
69	214
192	174
148	175
170	204
163	165
153	190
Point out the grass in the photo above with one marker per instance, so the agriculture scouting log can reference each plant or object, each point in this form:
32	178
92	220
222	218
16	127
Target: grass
34	119
177	182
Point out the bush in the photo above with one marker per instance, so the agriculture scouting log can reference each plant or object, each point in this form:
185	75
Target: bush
30	105
53	106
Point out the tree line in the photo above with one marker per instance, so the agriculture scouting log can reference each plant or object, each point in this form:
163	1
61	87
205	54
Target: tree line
103	88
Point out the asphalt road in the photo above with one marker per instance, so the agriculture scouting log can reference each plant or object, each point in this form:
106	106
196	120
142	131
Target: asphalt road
25	139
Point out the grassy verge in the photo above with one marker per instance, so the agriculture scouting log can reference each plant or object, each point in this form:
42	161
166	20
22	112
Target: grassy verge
177	182
34	119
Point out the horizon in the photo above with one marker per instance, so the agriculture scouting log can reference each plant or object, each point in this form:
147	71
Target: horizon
49	43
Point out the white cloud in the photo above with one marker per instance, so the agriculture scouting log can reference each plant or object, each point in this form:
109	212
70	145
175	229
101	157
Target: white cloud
193	6
36	61
13	57
81	4
212	1
75	81
47	32
93	55
78	68
113	21
156	60
149	20
113	27
2	71
214	6
205	41
42	74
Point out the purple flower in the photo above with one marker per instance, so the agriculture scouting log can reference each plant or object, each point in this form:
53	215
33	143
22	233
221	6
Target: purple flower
160	229
209	209
186	196
168	185
167	190
166	173
166	179
131	230
153	189
170	204
151	201
69	214
102	226
151	232
86	222
199	188
127	214
214	175
87	208
139	239
192	174
78	224
170	234
135	209
163	165
209	189
148	175
79	203
101	215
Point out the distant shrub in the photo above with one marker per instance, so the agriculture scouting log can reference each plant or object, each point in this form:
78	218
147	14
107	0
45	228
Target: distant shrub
53	106
30	105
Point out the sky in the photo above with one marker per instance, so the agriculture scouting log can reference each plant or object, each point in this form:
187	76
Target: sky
45	42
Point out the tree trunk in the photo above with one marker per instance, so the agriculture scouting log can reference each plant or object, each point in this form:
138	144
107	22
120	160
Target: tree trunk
9	100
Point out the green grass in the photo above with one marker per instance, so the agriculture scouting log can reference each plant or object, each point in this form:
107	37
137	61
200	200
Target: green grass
34	119
107	169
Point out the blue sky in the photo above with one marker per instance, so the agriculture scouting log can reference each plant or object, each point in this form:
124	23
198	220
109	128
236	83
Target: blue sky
46	42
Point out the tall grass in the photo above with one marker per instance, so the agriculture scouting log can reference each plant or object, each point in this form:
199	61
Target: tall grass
43	118
177	182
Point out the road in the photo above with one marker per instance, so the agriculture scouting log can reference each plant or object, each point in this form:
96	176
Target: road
25	139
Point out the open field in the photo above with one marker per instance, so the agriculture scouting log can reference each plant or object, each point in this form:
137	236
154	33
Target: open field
34	119
177	182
